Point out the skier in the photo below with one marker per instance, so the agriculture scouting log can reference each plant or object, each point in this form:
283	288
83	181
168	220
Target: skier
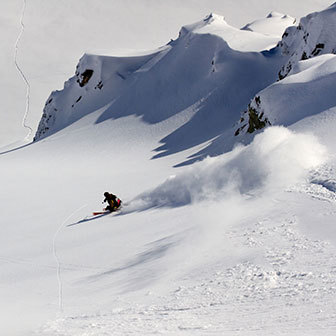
113	201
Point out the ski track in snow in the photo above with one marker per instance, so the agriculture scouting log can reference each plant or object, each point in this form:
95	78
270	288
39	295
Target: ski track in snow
289	289
24	120
59	279
284	285
250	298
321	184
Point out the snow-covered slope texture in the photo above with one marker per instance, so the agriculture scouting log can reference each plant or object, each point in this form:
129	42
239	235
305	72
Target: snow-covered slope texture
276	165
59	31
309	89
274	24
307	79
86	91
237	39
200	73
212	266
315	35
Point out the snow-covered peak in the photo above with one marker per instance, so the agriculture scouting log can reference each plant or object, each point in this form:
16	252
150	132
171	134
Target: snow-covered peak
333	5
274	24
209	59
315	35
212	17
307	77
237	39
210	20
275	14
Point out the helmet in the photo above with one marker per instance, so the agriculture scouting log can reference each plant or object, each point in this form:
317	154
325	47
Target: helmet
106	193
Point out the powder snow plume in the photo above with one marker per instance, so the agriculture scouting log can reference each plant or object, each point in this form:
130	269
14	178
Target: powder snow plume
275	159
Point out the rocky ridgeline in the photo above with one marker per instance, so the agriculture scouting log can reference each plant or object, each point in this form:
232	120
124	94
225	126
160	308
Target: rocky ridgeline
197	71
100	80
63	104
314	36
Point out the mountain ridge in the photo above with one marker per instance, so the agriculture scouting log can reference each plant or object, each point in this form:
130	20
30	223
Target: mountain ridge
197	69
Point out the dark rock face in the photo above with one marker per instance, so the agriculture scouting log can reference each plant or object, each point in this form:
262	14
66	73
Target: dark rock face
314	36
256	119
85	77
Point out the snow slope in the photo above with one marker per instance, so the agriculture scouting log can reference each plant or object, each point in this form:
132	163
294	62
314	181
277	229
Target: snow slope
58	32
237	39
274	24
308	90
305	85
209	73
227	241
238	244
312	37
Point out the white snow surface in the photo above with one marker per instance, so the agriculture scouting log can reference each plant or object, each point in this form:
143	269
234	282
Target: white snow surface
274	24
210	73
312	37
209	251
237	39
58	32
240	243
308	90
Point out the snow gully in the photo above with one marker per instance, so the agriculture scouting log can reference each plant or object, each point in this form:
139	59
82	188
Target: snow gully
24	120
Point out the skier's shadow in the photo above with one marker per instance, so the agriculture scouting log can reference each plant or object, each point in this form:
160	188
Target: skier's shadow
90	219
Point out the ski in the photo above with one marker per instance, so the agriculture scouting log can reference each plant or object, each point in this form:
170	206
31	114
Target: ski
100	213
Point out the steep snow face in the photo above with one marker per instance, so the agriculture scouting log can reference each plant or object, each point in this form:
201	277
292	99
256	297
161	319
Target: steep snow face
97	82
307	90
315	35
307	79
274	24
199	72
59	34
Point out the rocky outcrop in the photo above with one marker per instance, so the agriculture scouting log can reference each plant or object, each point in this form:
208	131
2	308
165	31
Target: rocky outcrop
314	36
253	118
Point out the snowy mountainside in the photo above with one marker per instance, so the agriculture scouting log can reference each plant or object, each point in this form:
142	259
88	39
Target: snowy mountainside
224	176
307	90
306	80
238	244
90	30
194	259
199	71
237	39
315	35
274	24
84	93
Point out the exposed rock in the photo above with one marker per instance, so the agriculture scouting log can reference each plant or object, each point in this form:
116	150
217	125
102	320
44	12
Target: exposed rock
85	77
314	36
256	119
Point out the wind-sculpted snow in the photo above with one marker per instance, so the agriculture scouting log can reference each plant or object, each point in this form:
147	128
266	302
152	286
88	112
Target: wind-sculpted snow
306	80
199	72
314	36
274	24
308	90
275	159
